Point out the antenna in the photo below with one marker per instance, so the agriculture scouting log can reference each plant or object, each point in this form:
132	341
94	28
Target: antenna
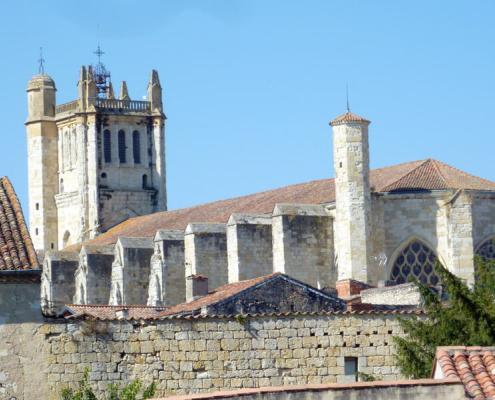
347	97
41	63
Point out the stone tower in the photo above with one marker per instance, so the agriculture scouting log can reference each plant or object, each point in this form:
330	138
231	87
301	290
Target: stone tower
42	140
352	193
95	161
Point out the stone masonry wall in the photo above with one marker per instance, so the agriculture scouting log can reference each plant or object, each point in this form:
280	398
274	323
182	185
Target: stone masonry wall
189	356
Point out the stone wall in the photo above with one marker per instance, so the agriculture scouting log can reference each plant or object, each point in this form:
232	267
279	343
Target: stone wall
21	347
405	294
483	218
303	244
249	246
205	354
205	253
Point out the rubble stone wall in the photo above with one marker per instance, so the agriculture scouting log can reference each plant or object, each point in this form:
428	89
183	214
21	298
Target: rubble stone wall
206	354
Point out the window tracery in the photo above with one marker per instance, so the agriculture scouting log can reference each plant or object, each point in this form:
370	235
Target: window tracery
487	249
415	261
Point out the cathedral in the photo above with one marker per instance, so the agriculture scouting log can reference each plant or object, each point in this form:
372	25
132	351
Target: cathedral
98	210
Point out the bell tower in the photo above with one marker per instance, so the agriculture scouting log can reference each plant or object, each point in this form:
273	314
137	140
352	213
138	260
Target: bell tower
352	194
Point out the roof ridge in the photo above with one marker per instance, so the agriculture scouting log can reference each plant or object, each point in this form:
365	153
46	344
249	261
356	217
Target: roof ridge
423	163
437	168
443	164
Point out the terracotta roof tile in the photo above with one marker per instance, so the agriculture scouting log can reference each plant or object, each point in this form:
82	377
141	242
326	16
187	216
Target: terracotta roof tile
474	366
348	117
416	175
16	248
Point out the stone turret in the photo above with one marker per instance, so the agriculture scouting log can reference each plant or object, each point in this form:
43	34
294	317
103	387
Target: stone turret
42	161
155	92
90	88
124	93
352	192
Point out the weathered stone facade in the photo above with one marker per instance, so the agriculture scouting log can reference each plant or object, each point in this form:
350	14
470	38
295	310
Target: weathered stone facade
188	356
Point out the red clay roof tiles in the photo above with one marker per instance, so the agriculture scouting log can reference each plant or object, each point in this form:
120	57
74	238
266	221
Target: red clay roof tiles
416	175
348	117
474	366
16	248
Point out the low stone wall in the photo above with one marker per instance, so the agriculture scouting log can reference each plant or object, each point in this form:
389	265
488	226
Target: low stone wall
206	354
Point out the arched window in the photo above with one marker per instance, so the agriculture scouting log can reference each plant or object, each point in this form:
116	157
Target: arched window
145	181
107	146
487	249
61	189
415	261
136	147
122	147
66	239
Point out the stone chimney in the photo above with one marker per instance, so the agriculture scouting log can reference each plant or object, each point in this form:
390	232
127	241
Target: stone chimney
197	287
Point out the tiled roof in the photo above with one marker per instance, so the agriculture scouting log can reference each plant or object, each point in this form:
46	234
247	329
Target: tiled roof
474	366
412	176
219	294
348	117
16	248
106	312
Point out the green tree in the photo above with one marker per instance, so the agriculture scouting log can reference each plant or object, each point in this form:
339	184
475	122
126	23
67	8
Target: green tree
461	316
128	392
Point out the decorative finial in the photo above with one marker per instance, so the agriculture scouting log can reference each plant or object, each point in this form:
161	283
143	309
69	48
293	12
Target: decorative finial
347	97
41	63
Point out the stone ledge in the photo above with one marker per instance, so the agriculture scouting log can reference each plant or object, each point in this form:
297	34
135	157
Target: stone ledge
310	210
205	228
250	219
168	234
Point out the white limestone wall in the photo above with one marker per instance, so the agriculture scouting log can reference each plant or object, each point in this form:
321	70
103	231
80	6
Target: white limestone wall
205	253
249	246
303	244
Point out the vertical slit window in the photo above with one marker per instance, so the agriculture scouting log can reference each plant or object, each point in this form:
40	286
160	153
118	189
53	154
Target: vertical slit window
122	147
107	146
136	147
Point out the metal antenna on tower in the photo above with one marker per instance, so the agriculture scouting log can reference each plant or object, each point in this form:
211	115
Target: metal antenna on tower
41	63
347	97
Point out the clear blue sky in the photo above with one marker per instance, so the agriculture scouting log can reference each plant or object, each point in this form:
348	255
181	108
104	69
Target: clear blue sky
250	85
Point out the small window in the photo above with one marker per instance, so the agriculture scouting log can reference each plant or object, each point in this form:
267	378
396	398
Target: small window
61	185
340	164
145	181
107	146
122	147
136	147
103	175
37	206
52	246
36	230
351	368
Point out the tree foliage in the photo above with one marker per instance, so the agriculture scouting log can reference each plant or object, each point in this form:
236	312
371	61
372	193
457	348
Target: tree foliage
130	391
459	316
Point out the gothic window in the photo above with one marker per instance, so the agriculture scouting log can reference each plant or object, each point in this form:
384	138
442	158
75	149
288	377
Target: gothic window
487	249
136	147
107	146
415	261
122	147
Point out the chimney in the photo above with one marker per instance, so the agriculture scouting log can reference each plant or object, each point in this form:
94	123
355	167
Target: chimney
348	288
197	287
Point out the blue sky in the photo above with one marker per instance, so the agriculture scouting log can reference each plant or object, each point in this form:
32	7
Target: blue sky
249	86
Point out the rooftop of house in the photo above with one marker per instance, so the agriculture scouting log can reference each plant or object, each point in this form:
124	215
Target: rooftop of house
16	248
415	176
474	366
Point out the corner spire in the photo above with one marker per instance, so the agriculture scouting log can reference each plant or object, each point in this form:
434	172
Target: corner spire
110	93
124	94
155	91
